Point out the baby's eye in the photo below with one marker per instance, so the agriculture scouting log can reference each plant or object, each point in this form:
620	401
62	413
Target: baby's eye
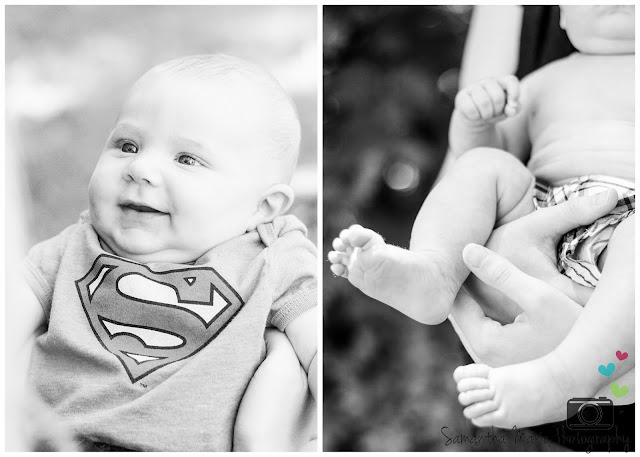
129	148
185	159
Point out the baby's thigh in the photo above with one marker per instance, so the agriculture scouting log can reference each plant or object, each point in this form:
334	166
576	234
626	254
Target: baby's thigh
618	270
512	181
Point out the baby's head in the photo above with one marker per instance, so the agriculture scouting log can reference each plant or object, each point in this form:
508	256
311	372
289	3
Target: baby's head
600	29
202	151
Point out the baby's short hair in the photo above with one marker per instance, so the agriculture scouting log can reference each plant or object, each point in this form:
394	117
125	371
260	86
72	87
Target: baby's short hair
284	131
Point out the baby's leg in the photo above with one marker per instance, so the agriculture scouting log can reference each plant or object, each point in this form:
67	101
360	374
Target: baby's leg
484	186
537	392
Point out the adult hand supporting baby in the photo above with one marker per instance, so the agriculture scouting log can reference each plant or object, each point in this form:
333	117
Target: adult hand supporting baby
530	281
547	317
277	412
530	243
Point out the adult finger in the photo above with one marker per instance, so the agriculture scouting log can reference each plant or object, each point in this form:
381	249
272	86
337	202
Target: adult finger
557	220
499	273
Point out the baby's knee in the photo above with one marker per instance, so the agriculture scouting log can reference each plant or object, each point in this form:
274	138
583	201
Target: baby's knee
513	181
493	161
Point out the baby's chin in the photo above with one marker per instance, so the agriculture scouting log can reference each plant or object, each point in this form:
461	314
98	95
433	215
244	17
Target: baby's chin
164	256
137	252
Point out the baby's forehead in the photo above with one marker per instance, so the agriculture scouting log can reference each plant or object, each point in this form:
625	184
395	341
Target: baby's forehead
242	82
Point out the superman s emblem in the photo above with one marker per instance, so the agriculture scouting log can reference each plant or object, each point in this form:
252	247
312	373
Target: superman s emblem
150	319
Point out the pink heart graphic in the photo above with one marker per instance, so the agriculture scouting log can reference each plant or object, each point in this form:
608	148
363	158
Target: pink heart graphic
621	355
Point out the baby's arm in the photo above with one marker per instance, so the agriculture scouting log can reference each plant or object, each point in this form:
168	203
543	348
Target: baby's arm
491	113
302	332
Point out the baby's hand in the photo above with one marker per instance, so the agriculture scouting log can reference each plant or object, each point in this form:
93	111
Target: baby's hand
490	100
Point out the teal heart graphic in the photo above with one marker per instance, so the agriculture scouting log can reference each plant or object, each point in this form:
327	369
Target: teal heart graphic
608	370
619	391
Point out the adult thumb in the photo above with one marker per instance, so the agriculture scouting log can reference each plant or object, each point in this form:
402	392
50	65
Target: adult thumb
555	221
497	272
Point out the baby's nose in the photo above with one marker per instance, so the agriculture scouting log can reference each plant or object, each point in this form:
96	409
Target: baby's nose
143	169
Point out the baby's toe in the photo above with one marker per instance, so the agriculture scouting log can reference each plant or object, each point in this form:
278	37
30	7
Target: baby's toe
339	245
479	409
344	234
466	398
361	237
338	257
473	370
489	419
467	384
339	270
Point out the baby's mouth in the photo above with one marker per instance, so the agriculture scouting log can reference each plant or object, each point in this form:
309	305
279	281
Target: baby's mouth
140	208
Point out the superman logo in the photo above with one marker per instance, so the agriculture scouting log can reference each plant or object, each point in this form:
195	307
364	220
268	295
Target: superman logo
149	319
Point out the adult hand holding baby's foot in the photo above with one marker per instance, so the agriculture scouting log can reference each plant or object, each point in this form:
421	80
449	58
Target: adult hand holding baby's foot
544	306
547	317
490	100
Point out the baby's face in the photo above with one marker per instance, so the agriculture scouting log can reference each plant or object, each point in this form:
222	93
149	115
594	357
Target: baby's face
183	170
600	29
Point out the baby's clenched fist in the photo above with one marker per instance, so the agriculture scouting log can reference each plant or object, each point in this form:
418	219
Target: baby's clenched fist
491	99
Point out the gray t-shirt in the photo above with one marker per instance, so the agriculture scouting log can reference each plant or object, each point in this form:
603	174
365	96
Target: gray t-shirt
157	357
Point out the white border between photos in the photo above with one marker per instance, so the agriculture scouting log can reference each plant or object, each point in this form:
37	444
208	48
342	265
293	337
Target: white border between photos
320	223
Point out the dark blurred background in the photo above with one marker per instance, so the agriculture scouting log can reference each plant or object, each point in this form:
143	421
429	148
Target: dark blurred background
390	78
68	69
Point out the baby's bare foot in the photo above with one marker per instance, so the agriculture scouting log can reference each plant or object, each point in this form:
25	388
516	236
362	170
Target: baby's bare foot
521	395
418	284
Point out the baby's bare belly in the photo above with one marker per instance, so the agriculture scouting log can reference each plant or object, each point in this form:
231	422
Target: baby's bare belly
565	150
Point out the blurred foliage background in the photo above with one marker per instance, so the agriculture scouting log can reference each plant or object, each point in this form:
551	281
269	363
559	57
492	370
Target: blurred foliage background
68	69
390	78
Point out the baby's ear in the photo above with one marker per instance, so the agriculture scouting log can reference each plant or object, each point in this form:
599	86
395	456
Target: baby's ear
276	201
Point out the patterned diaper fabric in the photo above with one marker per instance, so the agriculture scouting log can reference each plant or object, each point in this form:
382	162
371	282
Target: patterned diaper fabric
579	249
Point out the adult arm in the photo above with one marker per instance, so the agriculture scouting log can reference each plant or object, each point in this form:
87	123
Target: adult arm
32	425
26	319
492	44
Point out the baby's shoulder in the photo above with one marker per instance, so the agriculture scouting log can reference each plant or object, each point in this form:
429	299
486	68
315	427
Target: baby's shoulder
45	260
53	247
287	244
282	229
549	73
